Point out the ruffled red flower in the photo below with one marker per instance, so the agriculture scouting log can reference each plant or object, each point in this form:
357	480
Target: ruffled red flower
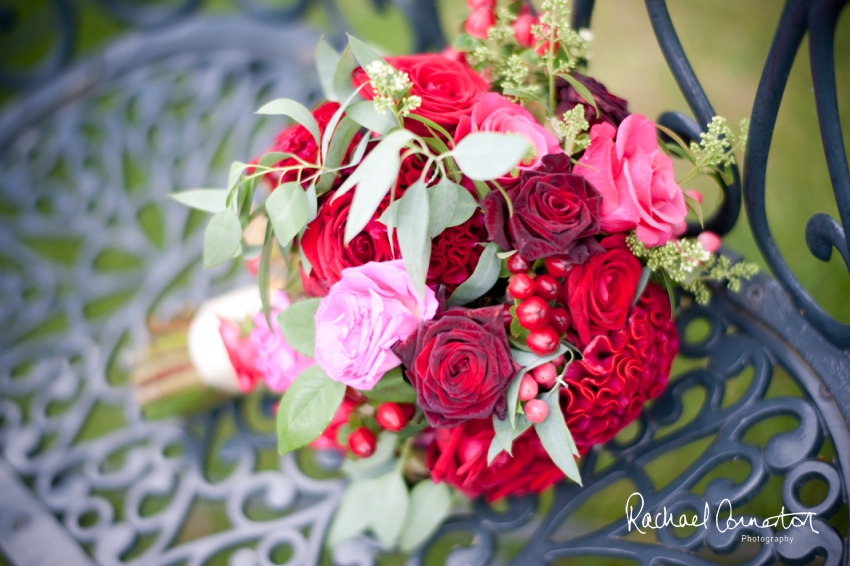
620	371
455	253
458	456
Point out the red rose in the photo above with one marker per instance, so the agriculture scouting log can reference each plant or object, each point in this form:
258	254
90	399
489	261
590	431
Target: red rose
297	140
455	253
458	456
448	89
612	109
323	245
460	364
555	214
620	371
600	292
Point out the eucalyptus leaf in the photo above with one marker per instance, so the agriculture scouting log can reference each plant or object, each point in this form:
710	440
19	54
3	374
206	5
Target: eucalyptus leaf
222	238
466	207
288	208
642	282
430	504
342	76
364	113
528	361
360	150
443	200
296	111
557	440
413	237
263	274
688	154
484	156
695	207
582	90
298	324
327	60
352	517
392	388
343	135
505	436
482	279
389	510
208	200
307	408
236	169
363	52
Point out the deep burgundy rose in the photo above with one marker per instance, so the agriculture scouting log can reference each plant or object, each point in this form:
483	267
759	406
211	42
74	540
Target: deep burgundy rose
328	255
620	371
555	214
458	456
612	109
455	253
448	89
297	140
460	364
600	292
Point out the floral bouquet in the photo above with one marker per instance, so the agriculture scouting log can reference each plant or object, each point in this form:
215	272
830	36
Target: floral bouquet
466	266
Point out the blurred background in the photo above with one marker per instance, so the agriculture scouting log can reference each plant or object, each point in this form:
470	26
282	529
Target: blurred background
726	41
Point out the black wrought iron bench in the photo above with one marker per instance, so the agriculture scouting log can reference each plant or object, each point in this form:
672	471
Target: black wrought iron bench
89	247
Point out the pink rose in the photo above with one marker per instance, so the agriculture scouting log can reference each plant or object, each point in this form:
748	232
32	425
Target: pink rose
364	315
635	179
276	360
495	113
479	22
242	354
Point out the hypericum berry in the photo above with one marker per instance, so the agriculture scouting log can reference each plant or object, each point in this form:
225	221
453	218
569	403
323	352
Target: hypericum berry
362	442
543	341
709	241
546	287
545	375
559	361
355	395
536	410
516	264
533	313
557	267
521	286
559	319
507	316
528	388
392	417
409	409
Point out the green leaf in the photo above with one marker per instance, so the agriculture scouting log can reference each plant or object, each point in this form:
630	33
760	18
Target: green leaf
307	408
222	238
671	293
430	504
273	158
208	200
296	111
485	156
466	207
434	126
263	275
505	436
236	169
689	155
352	517
390	508
363	52
298	324
339	144
644	280
374	177
364	113
343	86
528	361
327	60
442	203
482	279
413	236
289	210
557	440
582	90
695	207
392	388
305	263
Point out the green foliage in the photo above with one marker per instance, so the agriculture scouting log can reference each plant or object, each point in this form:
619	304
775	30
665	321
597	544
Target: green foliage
307	408
294	110
450	205
430	504
378	504
289	210
327	61
298	324
208	200
528	361
365	114
392	388
222	238
572	128
484	156
391	90
556	438
482	279
413	235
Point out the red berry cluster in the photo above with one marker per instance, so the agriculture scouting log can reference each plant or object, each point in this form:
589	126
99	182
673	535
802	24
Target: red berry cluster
390	416
537	310
541	377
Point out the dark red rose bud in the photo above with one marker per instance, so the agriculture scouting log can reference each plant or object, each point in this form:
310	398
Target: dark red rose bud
559	319
543	341
521	286
528	388
536	410
545	375
557	267
516	264
392	417
546	287
533	313
355	395
362	442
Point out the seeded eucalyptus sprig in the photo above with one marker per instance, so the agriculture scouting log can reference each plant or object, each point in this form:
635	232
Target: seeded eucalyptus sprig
715	152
